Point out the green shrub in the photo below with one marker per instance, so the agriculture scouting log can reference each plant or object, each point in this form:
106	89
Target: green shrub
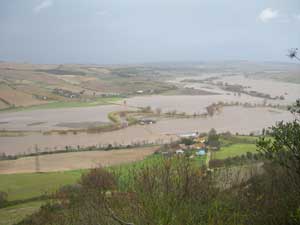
3	198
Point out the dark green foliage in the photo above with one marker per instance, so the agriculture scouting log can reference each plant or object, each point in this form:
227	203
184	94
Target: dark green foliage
3	198
98	178
187	141
213	139
284	146
176	192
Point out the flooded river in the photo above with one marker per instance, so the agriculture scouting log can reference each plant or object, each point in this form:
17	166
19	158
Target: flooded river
233	119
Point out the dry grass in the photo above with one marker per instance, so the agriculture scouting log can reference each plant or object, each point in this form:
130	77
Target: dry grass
75	160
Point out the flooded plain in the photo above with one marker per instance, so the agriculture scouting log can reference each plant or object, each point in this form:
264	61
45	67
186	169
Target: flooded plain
290	91
189	104
233	119
58	119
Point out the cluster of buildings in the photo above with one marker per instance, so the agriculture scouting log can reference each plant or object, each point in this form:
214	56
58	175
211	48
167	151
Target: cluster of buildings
199	145
66	93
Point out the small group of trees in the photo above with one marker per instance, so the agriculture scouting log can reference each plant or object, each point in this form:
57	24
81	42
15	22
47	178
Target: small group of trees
213	139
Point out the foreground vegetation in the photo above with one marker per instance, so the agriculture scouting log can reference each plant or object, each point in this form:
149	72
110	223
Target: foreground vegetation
27	192
14	214
175	192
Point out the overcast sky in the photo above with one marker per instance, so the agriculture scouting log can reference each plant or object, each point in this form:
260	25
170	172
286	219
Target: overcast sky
136	31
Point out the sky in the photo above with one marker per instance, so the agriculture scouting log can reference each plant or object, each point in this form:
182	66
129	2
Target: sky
141	31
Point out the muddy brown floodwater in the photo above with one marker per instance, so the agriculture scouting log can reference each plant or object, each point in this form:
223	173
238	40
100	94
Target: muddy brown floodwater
233	119
49	119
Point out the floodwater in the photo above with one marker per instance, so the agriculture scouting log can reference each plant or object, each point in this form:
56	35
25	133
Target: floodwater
198	103
290	91
233	119
50	119
189	104
130	135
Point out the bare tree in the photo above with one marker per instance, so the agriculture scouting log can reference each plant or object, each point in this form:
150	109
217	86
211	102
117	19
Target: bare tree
293	53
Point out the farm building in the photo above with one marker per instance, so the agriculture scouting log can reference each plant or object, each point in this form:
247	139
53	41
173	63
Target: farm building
200	152
146	121
189	135
179	151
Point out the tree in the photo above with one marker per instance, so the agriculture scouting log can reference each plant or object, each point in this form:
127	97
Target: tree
158	111
293	53
187	141
210	110
282	143
213	139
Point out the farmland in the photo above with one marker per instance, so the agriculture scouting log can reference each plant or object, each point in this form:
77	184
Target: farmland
13	214
75	160
25	189
234	150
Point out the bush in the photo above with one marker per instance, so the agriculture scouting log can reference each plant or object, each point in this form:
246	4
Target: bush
176	192
3	198
98	178
187	141
213	139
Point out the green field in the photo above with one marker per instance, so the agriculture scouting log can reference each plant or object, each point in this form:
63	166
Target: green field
14	214
234	150
25	187
30	185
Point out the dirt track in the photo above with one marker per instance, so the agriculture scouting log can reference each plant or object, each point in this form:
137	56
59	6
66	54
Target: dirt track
74	160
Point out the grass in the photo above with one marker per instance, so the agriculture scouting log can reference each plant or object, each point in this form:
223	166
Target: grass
14	214
234	150
70	104
27	186
30	185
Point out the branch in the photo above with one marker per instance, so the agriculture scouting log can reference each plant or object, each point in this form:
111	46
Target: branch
115	217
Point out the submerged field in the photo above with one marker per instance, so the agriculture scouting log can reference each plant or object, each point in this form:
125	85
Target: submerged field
52	119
